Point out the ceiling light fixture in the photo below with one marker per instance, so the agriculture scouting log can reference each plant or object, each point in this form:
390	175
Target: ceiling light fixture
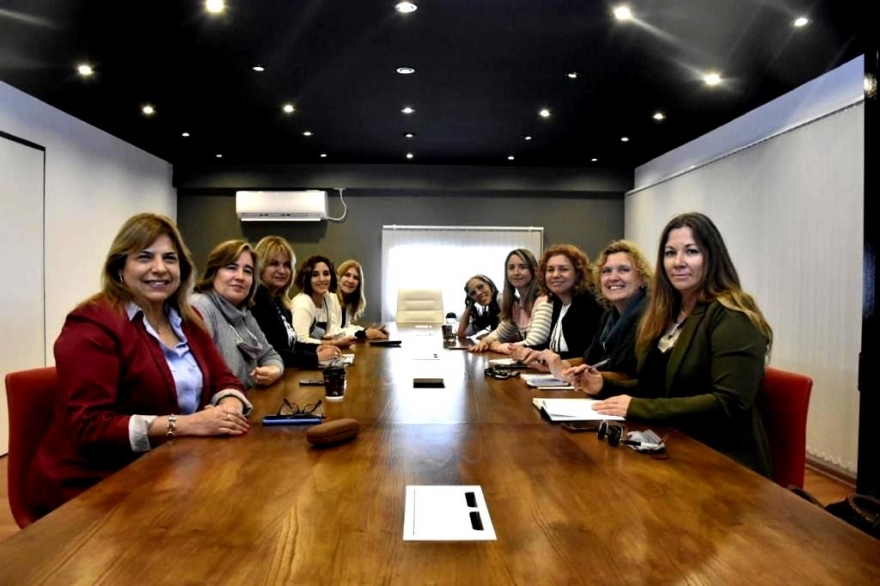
594	160
219	156
624	139
184	134
405	7
308	133
623	12
258	68
408	110
510	157
288	108
409	135
215	6
527	137
405	70
544	113
573	75
801	21
85	69
658	116
148	110
409	155
712	78
323	155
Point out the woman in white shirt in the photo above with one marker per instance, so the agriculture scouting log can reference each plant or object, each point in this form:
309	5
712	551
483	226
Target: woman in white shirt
520	304
317	316
353	303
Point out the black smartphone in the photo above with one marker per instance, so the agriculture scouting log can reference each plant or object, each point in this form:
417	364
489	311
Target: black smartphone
300	419
578	426
313	382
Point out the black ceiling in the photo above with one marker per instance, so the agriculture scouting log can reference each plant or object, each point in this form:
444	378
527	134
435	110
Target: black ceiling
484	68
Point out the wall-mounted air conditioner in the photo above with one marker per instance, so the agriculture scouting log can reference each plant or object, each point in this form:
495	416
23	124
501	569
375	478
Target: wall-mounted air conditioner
281	206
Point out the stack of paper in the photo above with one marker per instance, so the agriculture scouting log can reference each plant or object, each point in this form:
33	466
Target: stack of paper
571	410
545	381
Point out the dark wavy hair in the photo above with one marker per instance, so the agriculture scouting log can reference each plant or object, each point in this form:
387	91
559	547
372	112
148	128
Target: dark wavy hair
303	280
483	317
583	281
720	282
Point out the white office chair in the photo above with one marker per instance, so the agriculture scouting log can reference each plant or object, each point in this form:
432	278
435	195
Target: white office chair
419	306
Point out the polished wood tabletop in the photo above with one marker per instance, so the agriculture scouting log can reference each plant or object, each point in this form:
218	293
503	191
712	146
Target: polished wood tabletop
268	508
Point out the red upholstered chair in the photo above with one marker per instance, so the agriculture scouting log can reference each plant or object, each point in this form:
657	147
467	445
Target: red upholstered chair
31	397
784	404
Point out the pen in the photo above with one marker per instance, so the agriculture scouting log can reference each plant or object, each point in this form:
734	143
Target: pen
601	363
556	388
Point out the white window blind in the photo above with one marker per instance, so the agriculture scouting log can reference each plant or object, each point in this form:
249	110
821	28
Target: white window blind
444	257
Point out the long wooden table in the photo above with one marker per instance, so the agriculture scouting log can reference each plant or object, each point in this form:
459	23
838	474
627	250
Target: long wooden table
269	509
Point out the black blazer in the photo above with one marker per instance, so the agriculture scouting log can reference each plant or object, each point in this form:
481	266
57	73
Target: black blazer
579	324
301	355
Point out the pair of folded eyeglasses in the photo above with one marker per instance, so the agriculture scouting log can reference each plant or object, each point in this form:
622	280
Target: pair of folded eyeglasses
501	373
641	441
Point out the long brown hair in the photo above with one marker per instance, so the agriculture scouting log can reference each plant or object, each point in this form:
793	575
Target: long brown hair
720	282
267	249
355	302
136	234
508	297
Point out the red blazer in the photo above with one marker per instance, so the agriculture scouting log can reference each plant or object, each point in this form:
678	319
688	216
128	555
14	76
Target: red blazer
109	368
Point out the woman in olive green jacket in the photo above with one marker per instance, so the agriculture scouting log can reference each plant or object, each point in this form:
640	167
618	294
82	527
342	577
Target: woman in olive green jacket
702	348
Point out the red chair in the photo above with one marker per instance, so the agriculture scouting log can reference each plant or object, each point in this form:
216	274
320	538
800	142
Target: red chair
785	401
31	398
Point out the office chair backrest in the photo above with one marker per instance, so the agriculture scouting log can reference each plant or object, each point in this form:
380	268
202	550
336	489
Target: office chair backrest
419	306
784	404
31	398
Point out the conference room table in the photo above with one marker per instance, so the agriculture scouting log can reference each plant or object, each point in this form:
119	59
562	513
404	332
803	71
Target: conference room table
268	508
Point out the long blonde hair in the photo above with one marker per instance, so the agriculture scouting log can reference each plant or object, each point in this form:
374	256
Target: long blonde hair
355	302
136	234
267	249
720	282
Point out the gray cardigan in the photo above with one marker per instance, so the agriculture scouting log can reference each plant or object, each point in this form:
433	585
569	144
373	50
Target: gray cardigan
223	324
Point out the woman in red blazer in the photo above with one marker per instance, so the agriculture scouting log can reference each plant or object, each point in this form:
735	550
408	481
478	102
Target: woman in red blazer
135	368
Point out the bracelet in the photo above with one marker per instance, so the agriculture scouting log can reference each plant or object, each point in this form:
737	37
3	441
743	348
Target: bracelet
172	423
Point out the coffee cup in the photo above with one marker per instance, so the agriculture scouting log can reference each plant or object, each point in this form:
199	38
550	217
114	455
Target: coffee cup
334	383
448	333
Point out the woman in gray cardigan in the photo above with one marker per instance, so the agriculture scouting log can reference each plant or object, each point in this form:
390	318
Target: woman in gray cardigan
224	294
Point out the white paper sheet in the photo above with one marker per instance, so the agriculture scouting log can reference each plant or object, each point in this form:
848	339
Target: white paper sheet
443	513
572	410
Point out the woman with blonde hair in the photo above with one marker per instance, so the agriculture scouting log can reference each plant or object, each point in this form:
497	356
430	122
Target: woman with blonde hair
135	368
353	303
224	296
702	347
564	273
272	306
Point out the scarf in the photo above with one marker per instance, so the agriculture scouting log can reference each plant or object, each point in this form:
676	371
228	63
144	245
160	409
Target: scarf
617	327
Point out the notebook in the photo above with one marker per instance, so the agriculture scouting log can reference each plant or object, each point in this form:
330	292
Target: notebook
546	381
570	410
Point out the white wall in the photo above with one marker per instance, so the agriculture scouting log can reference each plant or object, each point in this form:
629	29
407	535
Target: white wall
93	183
788	199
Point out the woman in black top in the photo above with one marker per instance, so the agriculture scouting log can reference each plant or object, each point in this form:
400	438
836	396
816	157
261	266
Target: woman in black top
272	306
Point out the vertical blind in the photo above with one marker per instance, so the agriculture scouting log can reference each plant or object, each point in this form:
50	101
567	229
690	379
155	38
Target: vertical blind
445	257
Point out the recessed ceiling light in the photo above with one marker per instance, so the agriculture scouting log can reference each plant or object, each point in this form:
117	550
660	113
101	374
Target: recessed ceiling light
573	75
712	78
409	135
258	68
801	21
624	139
409	155
219	156
527	137
658	116
544	113
623	12
307	133
405	7
323	155
288	108
215	6
184	134
148	110
594	160
85	69
408	110
405	70
510	157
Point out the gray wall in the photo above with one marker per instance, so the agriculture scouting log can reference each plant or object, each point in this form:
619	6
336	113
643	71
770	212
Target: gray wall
588	220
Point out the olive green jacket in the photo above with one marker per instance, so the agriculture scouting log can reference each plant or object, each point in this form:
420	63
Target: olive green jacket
711	385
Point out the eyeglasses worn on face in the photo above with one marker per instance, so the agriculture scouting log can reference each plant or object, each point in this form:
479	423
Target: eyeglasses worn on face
294	410
477	290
